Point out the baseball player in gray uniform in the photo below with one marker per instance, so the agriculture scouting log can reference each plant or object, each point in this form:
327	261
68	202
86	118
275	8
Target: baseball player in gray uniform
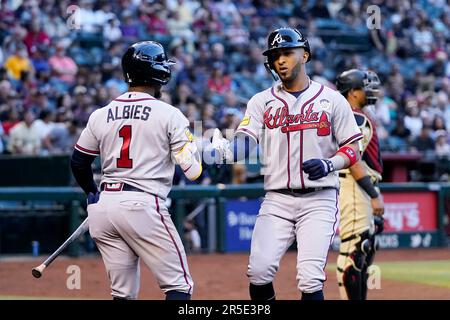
139	139
307	132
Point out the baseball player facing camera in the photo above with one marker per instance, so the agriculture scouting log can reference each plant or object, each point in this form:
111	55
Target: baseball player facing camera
139	139
308	133
360	200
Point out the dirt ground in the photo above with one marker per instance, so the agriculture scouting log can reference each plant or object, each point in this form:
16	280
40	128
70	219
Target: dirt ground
216	276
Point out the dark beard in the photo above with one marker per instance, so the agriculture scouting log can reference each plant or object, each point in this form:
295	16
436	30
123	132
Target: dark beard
158	93
295	72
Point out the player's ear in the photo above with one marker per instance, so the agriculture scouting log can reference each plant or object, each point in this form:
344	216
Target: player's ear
305	56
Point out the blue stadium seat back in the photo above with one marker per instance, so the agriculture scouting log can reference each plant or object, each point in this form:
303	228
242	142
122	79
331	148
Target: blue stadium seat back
89	40
96	55
215	38
396	144
217	99
330	24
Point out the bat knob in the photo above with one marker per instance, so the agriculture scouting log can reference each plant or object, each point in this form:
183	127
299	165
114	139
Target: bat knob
36	273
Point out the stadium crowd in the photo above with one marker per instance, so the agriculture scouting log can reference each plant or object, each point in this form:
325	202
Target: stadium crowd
59	62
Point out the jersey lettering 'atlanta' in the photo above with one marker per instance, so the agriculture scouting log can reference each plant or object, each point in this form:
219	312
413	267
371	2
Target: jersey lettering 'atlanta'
134	136
293	130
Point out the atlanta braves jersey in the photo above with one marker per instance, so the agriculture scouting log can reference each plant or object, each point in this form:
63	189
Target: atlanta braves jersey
292	130
134	136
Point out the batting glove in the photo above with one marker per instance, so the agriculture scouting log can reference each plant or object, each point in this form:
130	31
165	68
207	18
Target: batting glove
317	168
93	198
222	147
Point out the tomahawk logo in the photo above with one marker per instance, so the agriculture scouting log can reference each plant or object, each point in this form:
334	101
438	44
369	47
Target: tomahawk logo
278	39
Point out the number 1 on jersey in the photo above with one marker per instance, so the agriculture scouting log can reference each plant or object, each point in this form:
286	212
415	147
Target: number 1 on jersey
124	161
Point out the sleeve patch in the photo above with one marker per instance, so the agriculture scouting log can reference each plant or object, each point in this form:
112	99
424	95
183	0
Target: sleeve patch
189	135
245	121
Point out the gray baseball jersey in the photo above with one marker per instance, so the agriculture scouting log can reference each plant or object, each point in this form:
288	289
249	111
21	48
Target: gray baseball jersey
292	130
134	136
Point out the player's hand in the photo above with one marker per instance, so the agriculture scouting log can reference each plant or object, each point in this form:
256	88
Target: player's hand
221	146
317	168
93	198
379	224
377	206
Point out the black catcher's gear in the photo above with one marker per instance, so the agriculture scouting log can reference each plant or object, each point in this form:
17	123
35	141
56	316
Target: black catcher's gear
358	79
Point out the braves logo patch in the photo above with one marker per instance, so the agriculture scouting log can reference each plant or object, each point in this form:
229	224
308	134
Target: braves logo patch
278	39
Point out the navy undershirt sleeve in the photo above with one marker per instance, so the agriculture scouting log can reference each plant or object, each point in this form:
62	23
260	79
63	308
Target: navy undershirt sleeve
80	164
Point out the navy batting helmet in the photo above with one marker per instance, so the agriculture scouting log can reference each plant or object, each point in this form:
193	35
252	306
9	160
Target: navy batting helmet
146	63
358	79
287	38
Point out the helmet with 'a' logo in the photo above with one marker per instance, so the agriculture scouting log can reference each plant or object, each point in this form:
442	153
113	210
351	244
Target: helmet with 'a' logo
286	38
146	63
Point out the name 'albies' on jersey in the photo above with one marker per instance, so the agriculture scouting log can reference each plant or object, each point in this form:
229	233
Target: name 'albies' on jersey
134	136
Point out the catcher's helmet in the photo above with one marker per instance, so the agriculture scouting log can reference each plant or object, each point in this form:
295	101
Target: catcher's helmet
358	79
286	38
146	63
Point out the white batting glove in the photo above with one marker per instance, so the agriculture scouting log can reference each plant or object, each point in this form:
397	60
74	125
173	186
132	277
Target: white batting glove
222	146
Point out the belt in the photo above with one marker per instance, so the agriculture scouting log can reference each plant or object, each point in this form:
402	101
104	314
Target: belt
120	186
300	191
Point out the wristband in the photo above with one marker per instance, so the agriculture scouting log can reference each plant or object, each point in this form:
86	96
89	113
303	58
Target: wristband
350	153
366	184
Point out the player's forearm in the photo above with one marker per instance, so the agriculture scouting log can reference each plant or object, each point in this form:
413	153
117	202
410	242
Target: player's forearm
345	157
358	170
189	160
80	164
242	146
359	173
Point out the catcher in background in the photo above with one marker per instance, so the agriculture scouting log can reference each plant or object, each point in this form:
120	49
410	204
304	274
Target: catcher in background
361	203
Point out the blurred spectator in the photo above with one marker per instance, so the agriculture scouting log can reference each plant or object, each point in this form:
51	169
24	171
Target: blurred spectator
63	66
24	136
44	123
62	137
239	174
219	82
117	81
18	62
442	145
320	10
412	119
40	60
192	236
129	27
112	31
400	130
423	142
35	37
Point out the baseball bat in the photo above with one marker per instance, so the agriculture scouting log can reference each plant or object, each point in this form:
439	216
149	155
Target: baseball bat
83	227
